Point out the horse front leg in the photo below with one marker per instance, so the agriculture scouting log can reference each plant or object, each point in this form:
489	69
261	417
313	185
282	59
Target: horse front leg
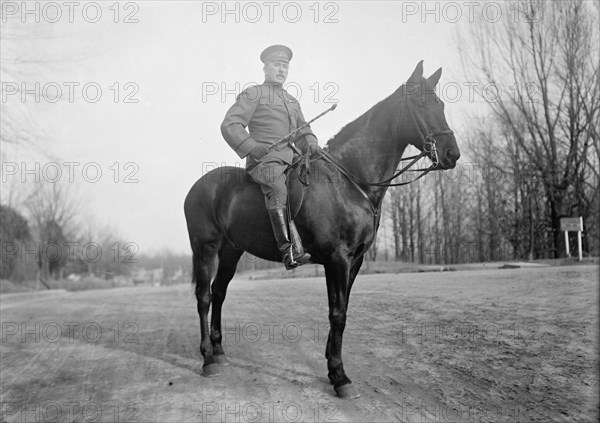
338	290
353	273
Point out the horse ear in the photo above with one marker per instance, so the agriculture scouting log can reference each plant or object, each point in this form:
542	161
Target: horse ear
435	77
417	73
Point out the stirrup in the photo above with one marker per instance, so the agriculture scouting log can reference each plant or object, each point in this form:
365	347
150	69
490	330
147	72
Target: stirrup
295	261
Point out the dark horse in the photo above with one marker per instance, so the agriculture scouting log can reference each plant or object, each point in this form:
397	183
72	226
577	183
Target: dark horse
337	221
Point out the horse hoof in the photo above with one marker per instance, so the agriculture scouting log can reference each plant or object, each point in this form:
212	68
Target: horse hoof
221	359
347	391
211	370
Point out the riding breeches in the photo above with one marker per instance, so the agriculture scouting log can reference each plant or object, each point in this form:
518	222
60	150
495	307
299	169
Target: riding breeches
270	174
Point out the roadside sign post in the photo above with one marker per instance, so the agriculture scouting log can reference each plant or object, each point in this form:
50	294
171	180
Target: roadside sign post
572	224
579	244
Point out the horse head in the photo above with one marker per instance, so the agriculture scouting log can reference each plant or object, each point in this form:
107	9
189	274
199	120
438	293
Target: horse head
426	118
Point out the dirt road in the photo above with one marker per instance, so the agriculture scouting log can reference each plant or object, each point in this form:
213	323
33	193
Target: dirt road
492	345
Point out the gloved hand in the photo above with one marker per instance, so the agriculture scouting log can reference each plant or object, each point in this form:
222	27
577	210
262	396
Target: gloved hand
312	148
257	152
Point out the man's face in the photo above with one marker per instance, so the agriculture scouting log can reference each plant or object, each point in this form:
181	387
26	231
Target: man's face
276	71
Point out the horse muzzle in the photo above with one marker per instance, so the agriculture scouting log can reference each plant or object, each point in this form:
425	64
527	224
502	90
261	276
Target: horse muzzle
447	159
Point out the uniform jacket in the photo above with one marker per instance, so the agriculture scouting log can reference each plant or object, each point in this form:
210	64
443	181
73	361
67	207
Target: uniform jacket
270	113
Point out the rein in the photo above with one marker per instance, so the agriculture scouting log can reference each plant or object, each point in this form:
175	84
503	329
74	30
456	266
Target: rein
428	145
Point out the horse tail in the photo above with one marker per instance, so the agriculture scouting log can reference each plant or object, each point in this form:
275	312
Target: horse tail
202	229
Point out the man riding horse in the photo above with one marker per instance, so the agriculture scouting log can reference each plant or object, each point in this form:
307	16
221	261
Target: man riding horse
270	113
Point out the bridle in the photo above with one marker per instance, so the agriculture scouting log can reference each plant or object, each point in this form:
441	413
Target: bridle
428	138
428	148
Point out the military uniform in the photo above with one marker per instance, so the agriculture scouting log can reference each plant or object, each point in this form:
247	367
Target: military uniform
270	113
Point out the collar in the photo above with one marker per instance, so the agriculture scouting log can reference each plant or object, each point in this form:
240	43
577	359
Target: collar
272	83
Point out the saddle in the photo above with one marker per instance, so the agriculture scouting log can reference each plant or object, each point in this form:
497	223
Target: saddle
296	181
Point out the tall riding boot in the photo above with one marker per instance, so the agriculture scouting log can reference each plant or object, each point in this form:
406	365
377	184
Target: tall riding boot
293	255
297	247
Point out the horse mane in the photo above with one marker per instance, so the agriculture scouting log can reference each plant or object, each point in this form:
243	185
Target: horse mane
353	128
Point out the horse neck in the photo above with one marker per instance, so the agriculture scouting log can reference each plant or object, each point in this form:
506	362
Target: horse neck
371	147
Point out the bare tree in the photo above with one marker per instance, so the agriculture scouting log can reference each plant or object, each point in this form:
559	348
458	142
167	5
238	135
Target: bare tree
14	233
396	215
29	56
23	58
104	252
546	63
53	211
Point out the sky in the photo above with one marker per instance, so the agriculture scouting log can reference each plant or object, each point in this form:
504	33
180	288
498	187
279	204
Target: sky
160	79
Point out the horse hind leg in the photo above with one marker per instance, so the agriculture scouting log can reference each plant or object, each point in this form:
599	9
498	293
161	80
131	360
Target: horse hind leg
228	260
204	254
